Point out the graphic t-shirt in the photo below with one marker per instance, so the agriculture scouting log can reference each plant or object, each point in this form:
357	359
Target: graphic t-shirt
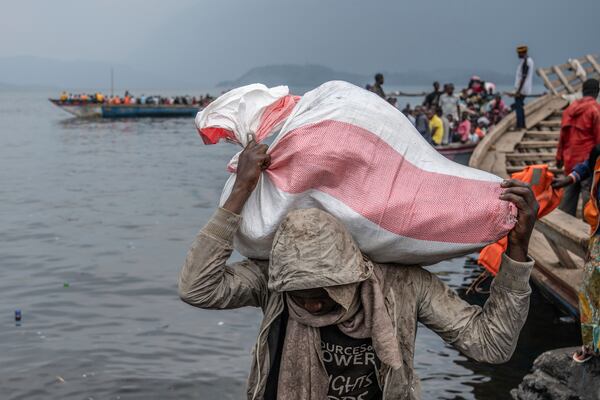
351	365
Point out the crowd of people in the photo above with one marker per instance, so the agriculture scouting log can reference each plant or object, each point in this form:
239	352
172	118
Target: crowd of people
446	117
128	98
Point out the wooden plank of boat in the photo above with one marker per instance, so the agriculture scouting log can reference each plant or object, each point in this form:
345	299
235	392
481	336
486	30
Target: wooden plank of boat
538	144
549	124
570	233
594	63
563	79
531	156
542	135
542	73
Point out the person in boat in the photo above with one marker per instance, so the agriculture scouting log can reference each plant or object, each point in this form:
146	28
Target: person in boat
496	109
449	102
476	87
335	324
436	126
452	125
432	99
422	123
579	133
377	87
523	84
589	291
63	97
464	128
445	125
99	97
409	113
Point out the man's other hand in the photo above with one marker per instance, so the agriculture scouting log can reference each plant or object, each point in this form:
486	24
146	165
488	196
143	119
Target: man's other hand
521	195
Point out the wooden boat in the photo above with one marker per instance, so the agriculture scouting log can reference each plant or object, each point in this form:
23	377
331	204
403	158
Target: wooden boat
87	110
457	152
559	242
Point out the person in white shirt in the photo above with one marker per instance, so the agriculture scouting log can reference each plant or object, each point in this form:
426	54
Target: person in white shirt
449	102
523	84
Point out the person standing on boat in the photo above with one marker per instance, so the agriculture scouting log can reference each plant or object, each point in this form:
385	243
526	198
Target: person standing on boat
523	84
449	102
335	324
589	291
579	133
377	87
432	99
436	126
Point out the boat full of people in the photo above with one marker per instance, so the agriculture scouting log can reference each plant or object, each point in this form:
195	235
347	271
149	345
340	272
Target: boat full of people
130	106
452	122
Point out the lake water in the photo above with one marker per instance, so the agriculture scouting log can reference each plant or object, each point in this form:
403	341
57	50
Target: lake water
96	220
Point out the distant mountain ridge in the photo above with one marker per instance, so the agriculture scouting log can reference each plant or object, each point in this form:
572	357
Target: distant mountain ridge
292	74
311	75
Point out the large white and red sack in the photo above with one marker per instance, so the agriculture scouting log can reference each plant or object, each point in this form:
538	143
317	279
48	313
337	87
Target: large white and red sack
347	151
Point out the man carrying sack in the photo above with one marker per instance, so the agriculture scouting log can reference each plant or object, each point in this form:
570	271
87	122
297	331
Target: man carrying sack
337	325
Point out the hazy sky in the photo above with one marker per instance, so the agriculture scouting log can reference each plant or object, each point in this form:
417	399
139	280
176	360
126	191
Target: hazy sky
221	39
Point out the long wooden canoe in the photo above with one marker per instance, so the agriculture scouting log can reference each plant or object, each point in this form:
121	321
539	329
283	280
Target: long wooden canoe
87	110
559	242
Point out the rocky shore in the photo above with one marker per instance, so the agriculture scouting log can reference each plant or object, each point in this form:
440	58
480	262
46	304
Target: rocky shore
556	376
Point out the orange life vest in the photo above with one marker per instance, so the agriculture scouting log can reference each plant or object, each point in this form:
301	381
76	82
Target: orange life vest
540	179
590	211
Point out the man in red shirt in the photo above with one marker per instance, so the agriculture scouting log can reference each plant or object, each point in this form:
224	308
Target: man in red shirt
579	133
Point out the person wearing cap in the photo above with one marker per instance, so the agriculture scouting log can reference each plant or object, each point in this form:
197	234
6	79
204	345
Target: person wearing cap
523	84
337	325
579	133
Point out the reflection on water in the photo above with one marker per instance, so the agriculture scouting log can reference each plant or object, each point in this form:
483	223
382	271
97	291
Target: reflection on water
96	218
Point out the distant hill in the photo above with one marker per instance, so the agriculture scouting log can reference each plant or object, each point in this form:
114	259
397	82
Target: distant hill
293	75
313	75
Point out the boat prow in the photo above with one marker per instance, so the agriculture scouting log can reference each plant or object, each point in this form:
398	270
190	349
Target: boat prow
79	110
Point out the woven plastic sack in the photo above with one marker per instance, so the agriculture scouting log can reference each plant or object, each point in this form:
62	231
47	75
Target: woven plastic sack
347	151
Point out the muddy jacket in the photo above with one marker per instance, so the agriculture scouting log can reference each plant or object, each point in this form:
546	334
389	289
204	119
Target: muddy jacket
412	295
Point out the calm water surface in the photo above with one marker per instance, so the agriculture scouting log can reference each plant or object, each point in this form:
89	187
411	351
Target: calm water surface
96	218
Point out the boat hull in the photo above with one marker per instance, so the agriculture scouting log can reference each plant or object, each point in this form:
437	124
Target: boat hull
459	153
127	110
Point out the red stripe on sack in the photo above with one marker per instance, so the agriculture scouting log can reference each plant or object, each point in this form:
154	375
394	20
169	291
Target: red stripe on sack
362	171
213	134
274	114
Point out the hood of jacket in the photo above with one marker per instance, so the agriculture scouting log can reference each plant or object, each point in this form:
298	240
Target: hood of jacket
312	249
577	109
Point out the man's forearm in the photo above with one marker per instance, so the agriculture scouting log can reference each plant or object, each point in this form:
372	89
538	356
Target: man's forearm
237	199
